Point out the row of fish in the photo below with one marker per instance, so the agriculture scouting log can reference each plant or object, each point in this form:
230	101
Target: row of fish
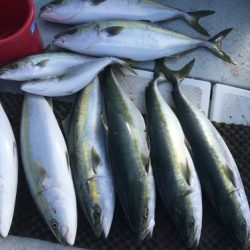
108	147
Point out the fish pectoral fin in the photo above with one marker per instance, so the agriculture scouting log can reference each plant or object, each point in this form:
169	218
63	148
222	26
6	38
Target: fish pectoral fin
96	2
41	174
113	31
146	161
186	172
49	99
42	63
68	160
104	121
186	193
230	175
95	159
188	146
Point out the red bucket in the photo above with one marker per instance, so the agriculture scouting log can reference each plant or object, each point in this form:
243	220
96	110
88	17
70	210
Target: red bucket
19	35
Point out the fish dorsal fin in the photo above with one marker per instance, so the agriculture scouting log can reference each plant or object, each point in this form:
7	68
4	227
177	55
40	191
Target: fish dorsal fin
113	31
96	2
230	175
95	159
186	172
42	63
41	174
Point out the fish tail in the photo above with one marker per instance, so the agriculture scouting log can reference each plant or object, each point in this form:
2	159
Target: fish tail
175	77
125	63
215	45
193	19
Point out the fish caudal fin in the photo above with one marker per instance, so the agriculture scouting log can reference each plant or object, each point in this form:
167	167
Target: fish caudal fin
125	63
175	77
193	19
215	45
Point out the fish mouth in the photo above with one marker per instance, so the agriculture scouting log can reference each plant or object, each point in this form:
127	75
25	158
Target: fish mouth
67	237
45	10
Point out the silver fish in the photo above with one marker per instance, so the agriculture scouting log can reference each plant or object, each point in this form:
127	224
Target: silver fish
139	41
80	11
47	169
215	165
8	173
42	66
72	81
130	160
89	159
173	168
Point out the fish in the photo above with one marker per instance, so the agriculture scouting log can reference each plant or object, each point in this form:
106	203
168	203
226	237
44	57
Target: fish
173	168
216	167
135	40
8	173
47	167
43	65
89	158
75	12
129	154
70	82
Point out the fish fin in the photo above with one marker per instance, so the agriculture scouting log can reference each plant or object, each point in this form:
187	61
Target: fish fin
42	63
146	162
68	160
230	175
117	69
175	77
96	2
95	159
114	30
186	172
42	174
125	63
193	19
216	48
49	99
188	146
104	122
14	148
186	193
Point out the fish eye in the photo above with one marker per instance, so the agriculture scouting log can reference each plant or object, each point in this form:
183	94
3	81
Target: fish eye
54	224
97	213
192	222
146	214
243	225
12	66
